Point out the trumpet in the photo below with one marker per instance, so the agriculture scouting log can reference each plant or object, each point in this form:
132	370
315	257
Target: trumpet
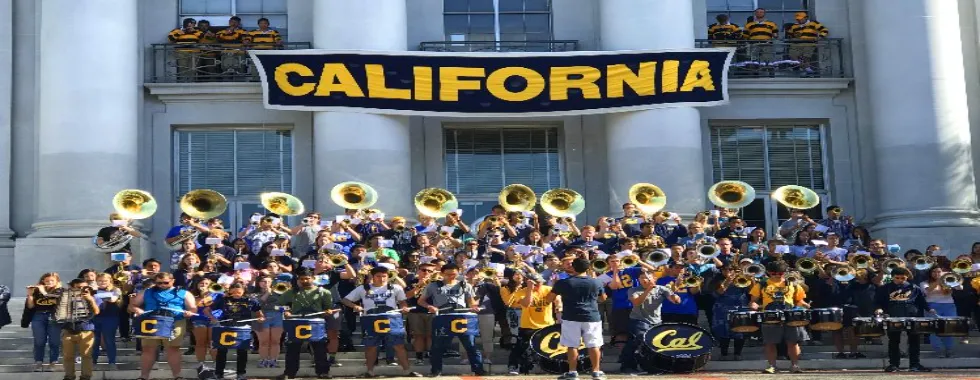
338	260
793	278
845	273
692	282
961	266
488	272
122	278
806	266
205	301
743	281
755	270
600	265
952	280
216	288
281	288
861	261
888	265
922	262
630	261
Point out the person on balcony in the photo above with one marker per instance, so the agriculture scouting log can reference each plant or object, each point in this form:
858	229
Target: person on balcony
262	38
805	34
188	34
723	33
232	57
761	32
208	60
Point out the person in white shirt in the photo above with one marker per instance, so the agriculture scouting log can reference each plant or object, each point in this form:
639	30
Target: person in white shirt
378	297
832	252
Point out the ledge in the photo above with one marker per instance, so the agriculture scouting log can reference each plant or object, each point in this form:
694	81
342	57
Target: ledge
207	91
788	86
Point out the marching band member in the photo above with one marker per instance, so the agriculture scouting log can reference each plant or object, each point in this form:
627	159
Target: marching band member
220	253
269	331
401	235
796	222
580	320
647	237
234	307
188	247
305	234
262	234
306	299
734	231
775	294
802	247
685	311
419	322
509	316
328	277
553	270
187	225
940	298
901	298
200	289
107	319
118	224
630	220
536	314
667	234
188	268
450	292
618	281
647	300
81	308
755	245
861	294
163	298
377	297
860	238
727	298
838	223
41	300
491	306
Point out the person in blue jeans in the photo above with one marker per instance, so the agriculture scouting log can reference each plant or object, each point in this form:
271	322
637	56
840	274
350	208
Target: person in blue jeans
451	293
41	299
107	321
646	300
940	299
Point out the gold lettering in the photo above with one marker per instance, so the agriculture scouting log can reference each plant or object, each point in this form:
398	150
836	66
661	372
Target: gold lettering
300	334
227	338
451	82
551	345
668	76
336	78
497	79
561	83
282	79
642	82
676	344
148	326
377	88
699	75
382	326
455	327
423	82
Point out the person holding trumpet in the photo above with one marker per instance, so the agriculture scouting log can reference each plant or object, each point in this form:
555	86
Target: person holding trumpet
685	311
41	301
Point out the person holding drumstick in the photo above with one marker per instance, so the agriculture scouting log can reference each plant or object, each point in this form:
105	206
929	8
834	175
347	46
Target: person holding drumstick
235	307
451	293
308	299
163	298
901	298
646	300
776	294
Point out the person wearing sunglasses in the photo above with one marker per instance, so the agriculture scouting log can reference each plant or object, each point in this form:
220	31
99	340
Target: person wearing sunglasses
162	298
775	293
419	321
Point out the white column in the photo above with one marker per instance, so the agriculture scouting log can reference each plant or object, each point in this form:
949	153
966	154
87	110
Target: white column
354	146
6	108
87	138
661	146
920	120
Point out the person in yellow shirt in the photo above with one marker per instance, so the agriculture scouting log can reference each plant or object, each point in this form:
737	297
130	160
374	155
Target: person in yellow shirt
536	313
188	35
806	33
776	294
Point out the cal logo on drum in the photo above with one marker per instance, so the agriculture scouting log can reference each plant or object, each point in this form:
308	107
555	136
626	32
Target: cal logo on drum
382	326
303	331
148	326
458	326
664	341
228	338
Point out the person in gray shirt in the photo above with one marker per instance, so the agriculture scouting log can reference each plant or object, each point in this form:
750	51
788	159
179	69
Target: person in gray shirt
448	295
646	299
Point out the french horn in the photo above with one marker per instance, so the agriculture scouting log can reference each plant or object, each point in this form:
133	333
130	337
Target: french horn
731	194
435	202
647	197
562	203
282	204
796	197
354	195
517	197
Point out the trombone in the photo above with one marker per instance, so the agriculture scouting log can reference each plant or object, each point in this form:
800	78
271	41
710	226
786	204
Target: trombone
281	288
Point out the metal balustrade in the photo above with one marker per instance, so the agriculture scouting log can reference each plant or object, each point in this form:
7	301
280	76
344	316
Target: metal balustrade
188	63
783	58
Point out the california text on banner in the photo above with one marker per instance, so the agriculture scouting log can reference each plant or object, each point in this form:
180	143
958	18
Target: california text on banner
491	84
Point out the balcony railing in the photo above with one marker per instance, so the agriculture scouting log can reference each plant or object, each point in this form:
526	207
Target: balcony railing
783	58
500	46
206	63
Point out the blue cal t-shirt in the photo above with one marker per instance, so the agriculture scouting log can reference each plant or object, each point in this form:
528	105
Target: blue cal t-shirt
687	305
580	298
620	297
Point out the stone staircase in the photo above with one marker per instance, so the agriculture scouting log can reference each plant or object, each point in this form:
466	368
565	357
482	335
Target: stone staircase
16	359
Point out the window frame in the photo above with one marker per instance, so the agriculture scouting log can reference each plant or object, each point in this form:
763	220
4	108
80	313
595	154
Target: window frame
711	13
467	198
234	12
496	12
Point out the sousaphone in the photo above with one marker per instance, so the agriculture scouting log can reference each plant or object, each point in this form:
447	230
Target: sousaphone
130	204
731	194
354	195
435	202
517	197
562	203
199	204
282	203
647	197
796	197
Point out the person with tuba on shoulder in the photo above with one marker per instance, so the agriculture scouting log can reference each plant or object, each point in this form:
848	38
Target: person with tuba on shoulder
119	226
188	225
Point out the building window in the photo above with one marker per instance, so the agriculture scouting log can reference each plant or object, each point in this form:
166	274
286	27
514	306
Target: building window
498	20
239	163
250	11
767	157
480	161
779	11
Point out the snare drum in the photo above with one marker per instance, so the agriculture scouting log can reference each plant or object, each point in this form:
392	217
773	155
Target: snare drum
797	317
867	327
952	326
922	325
772	317
550	354
675	348
897	324
303	329
231	337
153	326
826	319
744	321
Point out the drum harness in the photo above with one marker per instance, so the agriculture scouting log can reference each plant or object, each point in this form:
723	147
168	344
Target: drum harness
72	310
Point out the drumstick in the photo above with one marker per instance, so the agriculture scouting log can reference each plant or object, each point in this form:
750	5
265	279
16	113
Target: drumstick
241	321
181	311
312	314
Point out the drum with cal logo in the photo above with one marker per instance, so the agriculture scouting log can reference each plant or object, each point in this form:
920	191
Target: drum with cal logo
675	348
550	354
154	326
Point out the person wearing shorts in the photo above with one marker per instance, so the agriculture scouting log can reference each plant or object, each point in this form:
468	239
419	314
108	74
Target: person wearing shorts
164	296
776	294
269	332
580	319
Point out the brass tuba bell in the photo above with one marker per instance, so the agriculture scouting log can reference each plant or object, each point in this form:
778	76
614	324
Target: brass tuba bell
962	266
435	202
861	261
806	265
354	195
562	202
647	197
743	281
731	194
203	203
796	197
134	204
338	260
517	197
282	203
600	265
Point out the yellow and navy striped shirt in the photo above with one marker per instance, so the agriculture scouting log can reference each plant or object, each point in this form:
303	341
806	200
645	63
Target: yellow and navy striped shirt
179	36
724	32
231	36
208	38
764	30
264	39
809	31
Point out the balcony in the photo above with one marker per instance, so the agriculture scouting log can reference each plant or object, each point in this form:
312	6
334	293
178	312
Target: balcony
783	58
500	46
206	63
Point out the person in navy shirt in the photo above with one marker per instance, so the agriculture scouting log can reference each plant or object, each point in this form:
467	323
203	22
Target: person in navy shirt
186	223
630	220
687	310
618	281
735	231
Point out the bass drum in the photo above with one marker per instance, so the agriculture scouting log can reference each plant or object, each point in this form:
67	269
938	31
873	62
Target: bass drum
551	355
675	348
